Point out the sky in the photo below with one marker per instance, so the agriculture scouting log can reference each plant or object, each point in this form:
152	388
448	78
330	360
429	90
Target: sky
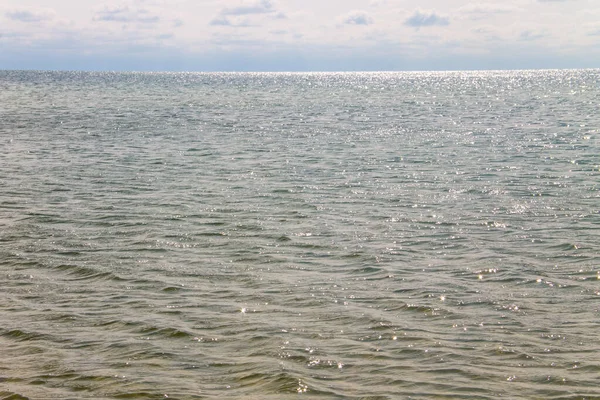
298	35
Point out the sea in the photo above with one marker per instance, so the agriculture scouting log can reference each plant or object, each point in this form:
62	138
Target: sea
380	235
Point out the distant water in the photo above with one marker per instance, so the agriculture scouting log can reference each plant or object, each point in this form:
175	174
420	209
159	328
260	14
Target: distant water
325	235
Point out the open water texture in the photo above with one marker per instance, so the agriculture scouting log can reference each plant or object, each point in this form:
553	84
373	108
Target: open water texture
279	236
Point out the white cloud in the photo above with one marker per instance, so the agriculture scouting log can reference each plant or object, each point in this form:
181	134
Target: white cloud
11	35
253	7
482	9
223	20
357	17
247	14
306	30
593	31
529	35
378	3
422	18
30	14
125	13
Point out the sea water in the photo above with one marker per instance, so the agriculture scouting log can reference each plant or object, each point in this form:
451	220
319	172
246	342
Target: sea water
426	235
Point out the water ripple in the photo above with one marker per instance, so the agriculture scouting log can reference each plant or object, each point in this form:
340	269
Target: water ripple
359	235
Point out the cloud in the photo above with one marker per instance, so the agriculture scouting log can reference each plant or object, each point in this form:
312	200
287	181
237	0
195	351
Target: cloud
12	35
248	8
480	9
126	14
240	16
357	18
531	35
381	24
426	18
378	3
223	20
30	15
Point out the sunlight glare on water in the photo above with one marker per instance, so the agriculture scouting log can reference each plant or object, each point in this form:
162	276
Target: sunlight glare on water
269	235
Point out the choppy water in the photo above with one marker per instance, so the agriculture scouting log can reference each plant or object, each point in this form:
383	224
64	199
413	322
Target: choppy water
376	236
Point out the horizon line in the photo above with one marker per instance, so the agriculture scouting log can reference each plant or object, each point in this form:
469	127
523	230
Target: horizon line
293	71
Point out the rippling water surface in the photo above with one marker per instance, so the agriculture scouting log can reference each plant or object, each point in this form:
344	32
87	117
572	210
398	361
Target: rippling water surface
359	235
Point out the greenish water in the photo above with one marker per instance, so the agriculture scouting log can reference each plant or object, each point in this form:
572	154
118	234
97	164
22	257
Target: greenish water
355	236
